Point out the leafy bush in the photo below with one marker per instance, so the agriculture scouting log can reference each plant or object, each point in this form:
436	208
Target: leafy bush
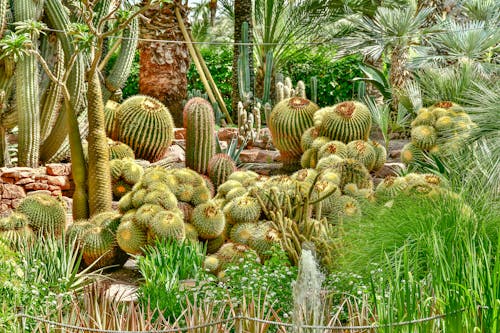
334	77
219	61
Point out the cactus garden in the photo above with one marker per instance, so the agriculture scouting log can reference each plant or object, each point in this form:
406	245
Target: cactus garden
249	166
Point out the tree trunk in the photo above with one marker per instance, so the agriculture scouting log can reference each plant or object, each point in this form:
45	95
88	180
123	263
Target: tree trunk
242	13
164	65
399	74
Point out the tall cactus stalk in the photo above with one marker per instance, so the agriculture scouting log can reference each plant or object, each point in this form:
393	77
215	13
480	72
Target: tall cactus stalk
200	141
3	15
268	77
100	182
123	65
59	20
27	94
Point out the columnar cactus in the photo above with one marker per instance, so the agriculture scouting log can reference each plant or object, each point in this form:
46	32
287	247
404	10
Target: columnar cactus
200	140
289	120
144	124
346	121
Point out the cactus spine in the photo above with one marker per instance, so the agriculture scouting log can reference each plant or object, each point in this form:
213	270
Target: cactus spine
346	121
289	120
144	124
200	140
27	93
220	167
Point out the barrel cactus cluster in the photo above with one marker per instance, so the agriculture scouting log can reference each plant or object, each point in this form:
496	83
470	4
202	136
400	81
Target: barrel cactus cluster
439	130
125	173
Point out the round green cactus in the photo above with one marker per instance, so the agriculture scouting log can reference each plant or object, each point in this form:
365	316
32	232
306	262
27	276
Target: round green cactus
45	213
423	136
308	137
99	247
245	209
110	116
241	232
209	220
410	154
236	193
120	188
328	162
153	176
125	203
138	197
309	158
328	193
191	232
211	264
213	245
333	148
391	186
119	150
109	220
246	178
227	186
288	121
220	167
131	237
347	208
146	214
166	225
380	155
144	124
346	121
14	230
363	152
201	194
352	171
424	117
264	239
165	198
77	229
305	175
200	139
231	252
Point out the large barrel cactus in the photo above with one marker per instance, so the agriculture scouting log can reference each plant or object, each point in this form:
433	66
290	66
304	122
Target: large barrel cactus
346	121
45	213
289	119
146	125
200	128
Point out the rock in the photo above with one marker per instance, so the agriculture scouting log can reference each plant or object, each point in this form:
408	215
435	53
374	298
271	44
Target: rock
60	181
25	181
16	202
40	192
56	169
395	154
267	156
180	133
227	133
249	155
36	187
4	209
176	152
56	193
390	169
119	292
11	191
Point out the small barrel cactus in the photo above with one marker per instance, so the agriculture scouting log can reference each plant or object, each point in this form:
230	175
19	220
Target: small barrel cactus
146	125
166	225
45	213
308	137
200	140
346	121
220	167
289	120
244	209
209	220
353	171
363	152
424	136
130	236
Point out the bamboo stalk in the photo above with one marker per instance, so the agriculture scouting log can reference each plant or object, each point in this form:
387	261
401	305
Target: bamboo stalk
192	52
211	81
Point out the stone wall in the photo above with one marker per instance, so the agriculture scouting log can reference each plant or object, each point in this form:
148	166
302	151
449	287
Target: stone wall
17	182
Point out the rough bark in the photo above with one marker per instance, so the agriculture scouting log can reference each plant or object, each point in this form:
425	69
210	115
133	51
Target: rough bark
164	65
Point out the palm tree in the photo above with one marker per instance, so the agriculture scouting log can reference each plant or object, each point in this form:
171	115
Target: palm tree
164	65
390	36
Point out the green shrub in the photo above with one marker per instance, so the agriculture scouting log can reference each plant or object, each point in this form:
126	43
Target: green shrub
334	77
219	61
